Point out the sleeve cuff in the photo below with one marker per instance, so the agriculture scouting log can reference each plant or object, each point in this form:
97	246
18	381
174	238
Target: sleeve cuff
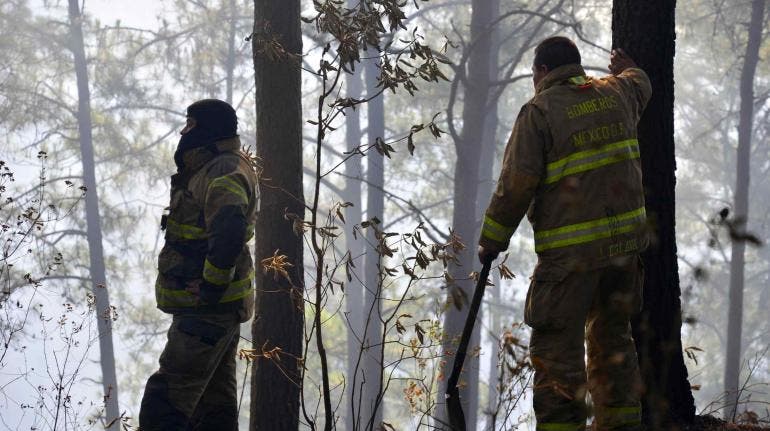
492	245
217	276
495	236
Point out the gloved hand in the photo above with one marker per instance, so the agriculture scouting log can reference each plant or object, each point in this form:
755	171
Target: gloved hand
486	255
208	293
620	61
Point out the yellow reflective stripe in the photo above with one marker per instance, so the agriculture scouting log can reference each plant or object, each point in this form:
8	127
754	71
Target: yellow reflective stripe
620	416
590	153
495	231
592	159
564	426
238	289
216	275
622	410
583	239
589	231
185	231
181	298
578	80
608	160
631	215
173	297
230	185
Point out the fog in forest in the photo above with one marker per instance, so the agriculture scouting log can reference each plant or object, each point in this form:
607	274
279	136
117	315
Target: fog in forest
406	108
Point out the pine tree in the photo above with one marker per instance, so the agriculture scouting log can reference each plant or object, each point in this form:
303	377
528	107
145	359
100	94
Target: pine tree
276	383
645	30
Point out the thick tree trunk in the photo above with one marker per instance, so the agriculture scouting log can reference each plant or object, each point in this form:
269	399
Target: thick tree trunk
371	363
354	290
464	222
275	391
93	220
741	211
645	30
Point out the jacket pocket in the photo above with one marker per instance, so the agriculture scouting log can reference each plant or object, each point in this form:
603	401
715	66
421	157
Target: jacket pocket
546	299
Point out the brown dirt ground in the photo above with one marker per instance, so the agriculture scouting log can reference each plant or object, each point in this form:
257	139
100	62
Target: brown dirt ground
710	423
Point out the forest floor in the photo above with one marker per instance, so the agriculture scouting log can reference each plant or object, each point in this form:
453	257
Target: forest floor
710	423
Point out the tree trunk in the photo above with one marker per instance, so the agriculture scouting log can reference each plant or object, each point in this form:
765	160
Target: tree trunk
645	30
464	222
741	211
354	290
371	362
486	187
232	17
275	391
93	220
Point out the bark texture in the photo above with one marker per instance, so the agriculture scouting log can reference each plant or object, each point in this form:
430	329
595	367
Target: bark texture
645	30
275	391
741	211
93	220
464	222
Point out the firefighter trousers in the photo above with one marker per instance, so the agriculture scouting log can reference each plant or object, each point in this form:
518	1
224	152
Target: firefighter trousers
195	387
568	310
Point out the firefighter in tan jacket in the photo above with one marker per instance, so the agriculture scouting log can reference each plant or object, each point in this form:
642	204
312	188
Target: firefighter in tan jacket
205	275
572	164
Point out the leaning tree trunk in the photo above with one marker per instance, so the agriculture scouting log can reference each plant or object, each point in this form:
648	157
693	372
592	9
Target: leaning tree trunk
93	221
464	221
275	390
741	211
371	361
646	31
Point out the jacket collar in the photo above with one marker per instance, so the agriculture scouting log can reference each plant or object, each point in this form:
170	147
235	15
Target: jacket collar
559	75
197	157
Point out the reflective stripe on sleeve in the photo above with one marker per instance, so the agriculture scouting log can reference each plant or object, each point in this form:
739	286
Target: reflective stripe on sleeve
231	186
588	160
238	289
495	231
589	231
181	298
216	275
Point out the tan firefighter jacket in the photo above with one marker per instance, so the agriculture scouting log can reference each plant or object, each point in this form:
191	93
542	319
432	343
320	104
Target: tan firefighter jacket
572	164
211	218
